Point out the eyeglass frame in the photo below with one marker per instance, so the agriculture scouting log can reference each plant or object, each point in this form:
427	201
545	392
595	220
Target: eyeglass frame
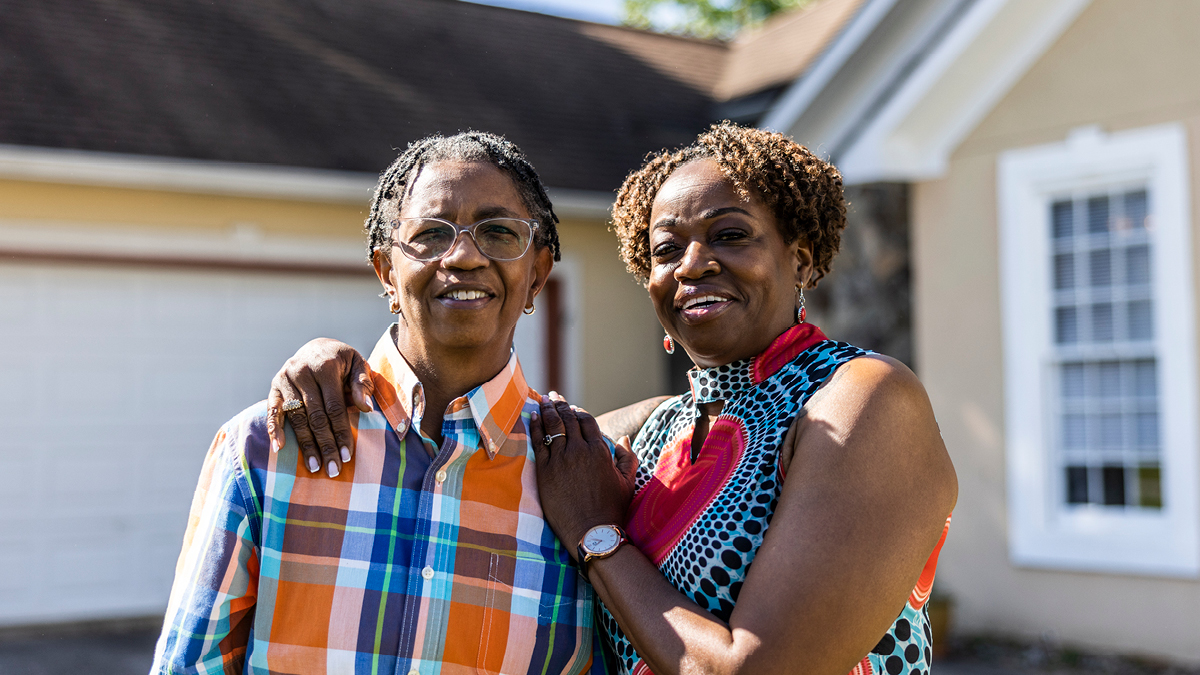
470	230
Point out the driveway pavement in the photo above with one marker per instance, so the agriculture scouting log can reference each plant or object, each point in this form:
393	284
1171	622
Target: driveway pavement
126	649
113	649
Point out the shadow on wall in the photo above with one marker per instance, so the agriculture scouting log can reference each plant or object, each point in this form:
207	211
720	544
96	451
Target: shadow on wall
866	299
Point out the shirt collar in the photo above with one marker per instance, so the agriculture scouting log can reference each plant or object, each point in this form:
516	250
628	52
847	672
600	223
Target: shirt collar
722	383
495	405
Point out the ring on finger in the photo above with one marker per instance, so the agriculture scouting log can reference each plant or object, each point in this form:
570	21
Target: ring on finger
293	404
549	439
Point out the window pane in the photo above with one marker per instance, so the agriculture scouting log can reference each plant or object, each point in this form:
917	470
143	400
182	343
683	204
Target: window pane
1077	485
1097	214
1145	378
1066	325
1150	487
1064	271
1109	429
1114	485
1072	380
1074	432
1109	373
1137	265
1100	267
1062	213
1102	322
1136	208
1147	430
1141	321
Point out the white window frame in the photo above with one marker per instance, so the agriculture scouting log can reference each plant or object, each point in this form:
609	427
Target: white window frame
1043	532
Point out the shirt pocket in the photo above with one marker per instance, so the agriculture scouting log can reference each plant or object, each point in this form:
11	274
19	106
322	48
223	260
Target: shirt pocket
497	602
503	606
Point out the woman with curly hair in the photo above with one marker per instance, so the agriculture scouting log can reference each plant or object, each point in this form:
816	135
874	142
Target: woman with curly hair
786	513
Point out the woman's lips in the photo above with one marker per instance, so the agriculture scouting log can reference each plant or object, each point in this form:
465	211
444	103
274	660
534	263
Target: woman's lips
460	299
705	311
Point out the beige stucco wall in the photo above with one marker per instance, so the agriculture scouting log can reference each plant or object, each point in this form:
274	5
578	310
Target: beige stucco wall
617	331
1122	64
621	338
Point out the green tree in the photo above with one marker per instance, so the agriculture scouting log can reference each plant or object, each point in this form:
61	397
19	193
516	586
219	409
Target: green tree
703	18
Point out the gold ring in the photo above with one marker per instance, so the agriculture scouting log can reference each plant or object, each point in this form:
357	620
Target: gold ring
294	404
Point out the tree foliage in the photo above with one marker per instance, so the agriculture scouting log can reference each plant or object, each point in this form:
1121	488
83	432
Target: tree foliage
703	18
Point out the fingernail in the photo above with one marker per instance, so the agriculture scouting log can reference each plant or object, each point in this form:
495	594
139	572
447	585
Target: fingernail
533	415
313	465
345	454
275	445
332	469
370	401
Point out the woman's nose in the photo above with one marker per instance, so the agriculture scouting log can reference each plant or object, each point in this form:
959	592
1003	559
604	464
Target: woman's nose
697	261
464	253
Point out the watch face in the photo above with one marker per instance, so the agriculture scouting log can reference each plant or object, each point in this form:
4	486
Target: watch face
600	539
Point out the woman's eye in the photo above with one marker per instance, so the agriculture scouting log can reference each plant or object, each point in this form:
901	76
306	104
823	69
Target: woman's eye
731	235
664	250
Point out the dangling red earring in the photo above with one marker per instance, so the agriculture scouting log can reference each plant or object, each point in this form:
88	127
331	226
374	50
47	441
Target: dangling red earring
801	313
668	344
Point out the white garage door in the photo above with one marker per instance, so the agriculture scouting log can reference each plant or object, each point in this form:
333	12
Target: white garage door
113	381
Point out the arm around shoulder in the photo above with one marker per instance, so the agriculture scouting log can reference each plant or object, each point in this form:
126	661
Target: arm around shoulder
628	421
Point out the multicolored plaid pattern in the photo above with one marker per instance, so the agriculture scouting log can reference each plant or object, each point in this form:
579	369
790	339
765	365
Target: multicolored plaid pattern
414	560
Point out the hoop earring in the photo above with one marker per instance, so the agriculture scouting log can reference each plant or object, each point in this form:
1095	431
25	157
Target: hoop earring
668	344
801	313
529	310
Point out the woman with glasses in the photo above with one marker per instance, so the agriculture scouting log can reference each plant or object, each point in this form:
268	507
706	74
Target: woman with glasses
787	511
429	552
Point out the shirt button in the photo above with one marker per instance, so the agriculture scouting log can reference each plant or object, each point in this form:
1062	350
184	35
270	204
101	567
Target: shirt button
441	476
427	572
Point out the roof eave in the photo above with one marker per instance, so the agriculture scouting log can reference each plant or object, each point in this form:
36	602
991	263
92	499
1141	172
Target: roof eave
167	174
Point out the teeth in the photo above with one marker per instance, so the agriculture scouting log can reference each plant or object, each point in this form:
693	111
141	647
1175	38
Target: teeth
466	295
703	299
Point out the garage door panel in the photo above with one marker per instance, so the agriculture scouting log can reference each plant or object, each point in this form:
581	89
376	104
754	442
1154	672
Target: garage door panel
90	387
115	381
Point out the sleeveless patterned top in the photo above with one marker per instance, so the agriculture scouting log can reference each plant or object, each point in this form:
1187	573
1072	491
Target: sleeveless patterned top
701	520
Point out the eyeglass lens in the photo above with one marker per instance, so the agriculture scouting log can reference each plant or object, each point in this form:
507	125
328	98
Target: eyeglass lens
425	239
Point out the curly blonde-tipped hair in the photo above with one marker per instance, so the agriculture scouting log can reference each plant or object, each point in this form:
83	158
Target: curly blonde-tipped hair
802	190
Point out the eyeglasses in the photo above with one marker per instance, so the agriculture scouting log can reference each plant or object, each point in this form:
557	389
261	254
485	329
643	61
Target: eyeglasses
429	239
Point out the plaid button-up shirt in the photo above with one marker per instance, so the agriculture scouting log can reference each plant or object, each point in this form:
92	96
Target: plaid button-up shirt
414	559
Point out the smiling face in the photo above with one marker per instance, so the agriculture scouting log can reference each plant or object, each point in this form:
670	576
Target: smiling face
464	300
722	280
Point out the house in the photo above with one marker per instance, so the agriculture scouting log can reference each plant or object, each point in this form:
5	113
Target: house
182	191
1043	154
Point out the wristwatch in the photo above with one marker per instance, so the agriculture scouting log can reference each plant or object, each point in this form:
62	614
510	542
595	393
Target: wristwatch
600	542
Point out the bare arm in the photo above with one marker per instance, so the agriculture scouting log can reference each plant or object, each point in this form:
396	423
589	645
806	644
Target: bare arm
866	498
628	421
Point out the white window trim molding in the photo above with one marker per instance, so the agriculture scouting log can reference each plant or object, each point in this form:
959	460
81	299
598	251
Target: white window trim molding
1043	533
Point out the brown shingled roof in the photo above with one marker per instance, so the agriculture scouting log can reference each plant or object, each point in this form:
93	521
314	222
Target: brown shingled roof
782	48
340	84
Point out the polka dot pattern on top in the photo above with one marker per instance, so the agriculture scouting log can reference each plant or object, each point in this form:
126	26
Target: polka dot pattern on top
709	555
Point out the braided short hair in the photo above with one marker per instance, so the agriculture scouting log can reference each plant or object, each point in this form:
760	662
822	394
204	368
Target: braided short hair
468	146
802	190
